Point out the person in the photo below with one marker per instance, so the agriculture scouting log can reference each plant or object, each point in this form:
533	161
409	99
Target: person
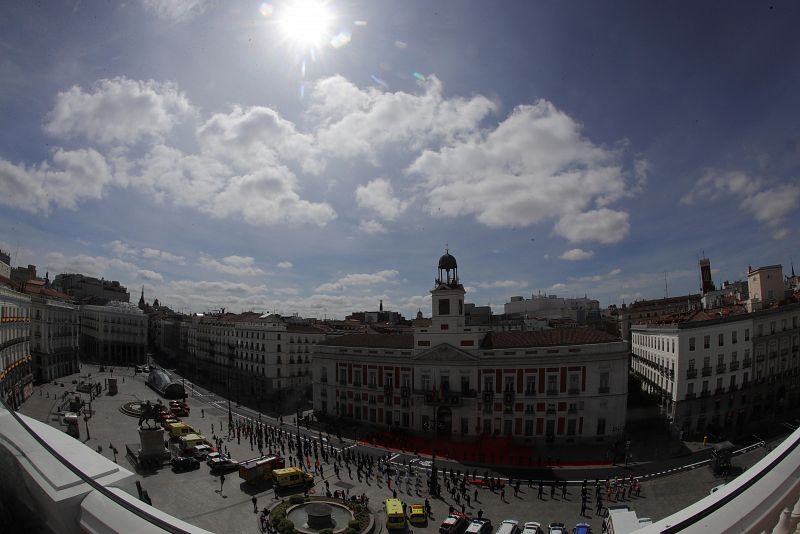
476	496
480	513
255	504
221	483
202	412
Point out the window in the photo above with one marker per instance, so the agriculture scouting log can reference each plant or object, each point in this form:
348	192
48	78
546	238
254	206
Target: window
445	326
747	334
372	377
552	384
705	385
733	337
706	342
772	327
574	382
460	307
342	376
487	383
444	307
425	381
721	340
691	343
508	383
389	379
601	426
690	388
530	385
720	359
529	427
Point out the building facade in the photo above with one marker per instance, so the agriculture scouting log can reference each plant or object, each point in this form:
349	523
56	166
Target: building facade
261	355
55	333
113	334
453	378
579	310
16	370
79	287
642	310
714	370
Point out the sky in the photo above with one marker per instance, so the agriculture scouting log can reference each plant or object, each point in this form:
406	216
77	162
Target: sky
315	157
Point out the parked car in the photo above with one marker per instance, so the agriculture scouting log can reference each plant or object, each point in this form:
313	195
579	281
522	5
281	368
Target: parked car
417	515
532	527
201	451
582	528
479	526
508	526
455	523
185	463
557	528
211	456
224	464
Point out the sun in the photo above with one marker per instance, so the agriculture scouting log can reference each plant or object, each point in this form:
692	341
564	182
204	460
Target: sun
306	22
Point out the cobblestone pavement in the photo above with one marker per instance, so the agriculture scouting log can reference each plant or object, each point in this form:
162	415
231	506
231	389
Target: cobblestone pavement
195	496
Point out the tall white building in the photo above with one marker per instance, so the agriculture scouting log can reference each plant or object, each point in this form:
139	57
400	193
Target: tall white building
55	332
458	379
261	355
113	334
554	307
718	369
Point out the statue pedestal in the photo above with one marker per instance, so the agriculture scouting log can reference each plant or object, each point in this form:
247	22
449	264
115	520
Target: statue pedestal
152	442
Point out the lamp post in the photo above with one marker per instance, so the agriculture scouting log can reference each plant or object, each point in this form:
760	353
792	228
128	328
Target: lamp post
86	418
231	354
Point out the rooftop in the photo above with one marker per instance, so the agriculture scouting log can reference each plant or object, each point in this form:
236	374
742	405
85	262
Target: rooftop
546	338
388	341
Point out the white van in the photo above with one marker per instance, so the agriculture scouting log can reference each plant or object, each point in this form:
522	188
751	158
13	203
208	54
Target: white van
509	526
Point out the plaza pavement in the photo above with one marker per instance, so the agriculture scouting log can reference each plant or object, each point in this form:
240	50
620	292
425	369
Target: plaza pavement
194	496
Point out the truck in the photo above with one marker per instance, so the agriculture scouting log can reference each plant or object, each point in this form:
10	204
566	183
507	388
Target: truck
176	430
260	468
623	520
288	477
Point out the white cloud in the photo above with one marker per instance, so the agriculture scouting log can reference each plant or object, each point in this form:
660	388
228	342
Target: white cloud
600	277
150	276
249	138
502	284
401	44
378	196
576	254
152	253
534	166
120	248
233	265
371	227
360	123
603	225
359	280
285	265
176	10
769	205
118	110
97	266
73	176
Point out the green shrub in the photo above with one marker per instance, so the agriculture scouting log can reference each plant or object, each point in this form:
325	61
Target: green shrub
296	499
354	523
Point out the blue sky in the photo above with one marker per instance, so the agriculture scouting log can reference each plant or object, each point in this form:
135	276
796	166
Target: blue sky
200	149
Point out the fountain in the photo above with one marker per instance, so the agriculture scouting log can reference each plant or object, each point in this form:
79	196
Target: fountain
312	517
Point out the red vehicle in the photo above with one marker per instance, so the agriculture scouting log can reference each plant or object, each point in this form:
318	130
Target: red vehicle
178	408
455	523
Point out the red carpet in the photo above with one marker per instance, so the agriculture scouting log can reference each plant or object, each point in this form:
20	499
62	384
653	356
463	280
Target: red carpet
485	450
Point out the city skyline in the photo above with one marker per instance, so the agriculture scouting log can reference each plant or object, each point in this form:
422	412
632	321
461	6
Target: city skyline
223	157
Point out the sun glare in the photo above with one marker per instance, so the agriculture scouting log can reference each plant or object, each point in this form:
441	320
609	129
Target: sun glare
306	22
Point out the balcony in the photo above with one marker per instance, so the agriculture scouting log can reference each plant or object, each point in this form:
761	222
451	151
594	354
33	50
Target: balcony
552	392
732	388
705	393
488	395
508	397
530	392
572	410
734	365
690	396
469	393
759	357
773	355
324	379
603	389
706	371
356	383
719	391
342	382
721	368
442	399
372	385
691	373
550	411
405	392
747	363
574	391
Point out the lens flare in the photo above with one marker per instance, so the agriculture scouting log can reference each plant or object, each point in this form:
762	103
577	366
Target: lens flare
341	39
266	9
420	77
